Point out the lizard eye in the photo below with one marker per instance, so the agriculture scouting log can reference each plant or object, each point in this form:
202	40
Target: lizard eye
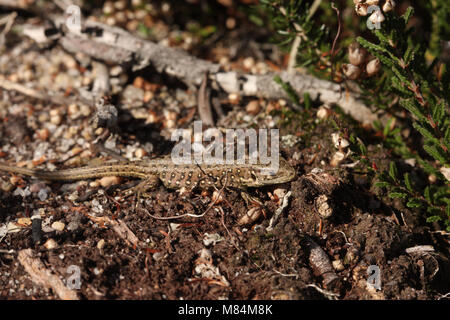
253	176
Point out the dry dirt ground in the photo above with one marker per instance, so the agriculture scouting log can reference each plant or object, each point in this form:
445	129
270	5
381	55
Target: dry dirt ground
123	252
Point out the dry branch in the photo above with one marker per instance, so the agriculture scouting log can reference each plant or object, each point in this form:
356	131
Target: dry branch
19	4
321	265
47	97
120	228
115	45
44	277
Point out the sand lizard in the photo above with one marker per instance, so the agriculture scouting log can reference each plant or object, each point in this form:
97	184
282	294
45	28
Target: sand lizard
173	176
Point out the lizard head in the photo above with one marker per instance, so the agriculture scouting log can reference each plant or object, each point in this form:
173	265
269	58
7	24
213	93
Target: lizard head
263	175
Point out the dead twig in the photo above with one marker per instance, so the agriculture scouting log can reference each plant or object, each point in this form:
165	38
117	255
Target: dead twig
56	99
321	265
19	4
278	212
119	227
204	106
9	21
118	46
42	276
335	38
329	295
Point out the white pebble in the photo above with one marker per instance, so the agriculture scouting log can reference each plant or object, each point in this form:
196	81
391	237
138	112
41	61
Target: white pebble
43	194
58	225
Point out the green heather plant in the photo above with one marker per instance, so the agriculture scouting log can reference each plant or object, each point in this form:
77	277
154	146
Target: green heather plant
293	24
422	89
407	79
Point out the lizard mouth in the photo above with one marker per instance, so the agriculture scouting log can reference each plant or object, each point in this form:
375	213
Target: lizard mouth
284	174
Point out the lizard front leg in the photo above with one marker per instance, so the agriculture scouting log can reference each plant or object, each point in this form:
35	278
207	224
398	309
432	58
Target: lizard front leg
250	200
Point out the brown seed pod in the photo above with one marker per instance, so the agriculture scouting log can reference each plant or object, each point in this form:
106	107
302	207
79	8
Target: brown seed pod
351	72
361	9
373	67
389	5
356	54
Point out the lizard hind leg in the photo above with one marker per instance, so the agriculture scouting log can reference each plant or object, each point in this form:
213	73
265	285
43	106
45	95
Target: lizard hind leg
140	190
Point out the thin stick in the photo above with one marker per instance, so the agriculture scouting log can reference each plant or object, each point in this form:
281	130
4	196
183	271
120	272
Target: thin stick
298	40
335	39
56	99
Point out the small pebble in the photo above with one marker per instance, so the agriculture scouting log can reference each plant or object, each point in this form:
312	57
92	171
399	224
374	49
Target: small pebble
323	112
12	227
432	178
94	184
37	186
148	95
56	120
73	109
58	225
50	244
132	25
24	221
248	63
120	5
43	134
73	225
170	124
158	256
43	117
170	115
230	23
54	112
138	82
233	98
271	107
86	81
100	244
85	110
13	77
21	192
253	107
109	181
338	265
140	153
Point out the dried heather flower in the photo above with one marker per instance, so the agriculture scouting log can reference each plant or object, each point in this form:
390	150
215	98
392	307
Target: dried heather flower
351	72
356	54
389	5
373	67
361	9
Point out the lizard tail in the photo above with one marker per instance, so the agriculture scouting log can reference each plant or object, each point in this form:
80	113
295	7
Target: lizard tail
7	168
88	172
